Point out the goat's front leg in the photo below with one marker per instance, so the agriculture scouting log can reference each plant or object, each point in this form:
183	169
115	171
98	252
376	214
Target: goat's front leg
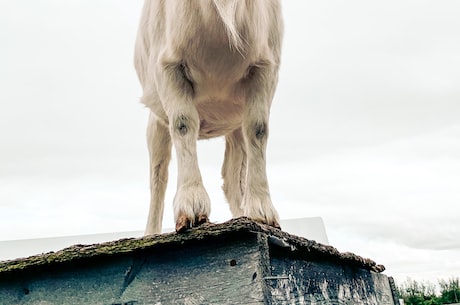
191	202
257	203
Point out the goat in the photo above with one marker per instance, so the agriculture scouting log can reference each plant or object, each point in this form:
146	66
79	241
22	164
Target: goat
209	68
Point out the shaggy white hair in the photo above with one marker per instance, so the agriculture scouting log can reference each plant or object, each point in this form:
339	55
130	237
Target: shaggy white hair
209	68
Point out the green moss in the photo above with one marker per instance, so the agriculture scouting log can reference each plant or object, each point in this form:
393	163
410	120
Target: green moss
302	247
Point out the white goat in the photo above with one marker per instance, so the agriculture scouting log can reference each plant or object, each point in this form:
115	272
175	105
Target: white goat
209	68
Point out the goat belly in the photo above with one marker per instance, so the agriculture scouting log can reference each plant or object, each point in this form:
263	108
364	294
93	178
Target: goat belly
219	117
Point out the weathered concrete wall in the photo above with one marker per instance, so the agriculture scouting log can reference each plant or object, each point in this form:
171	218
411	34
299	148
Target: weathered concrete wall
327	283
239	262
214	273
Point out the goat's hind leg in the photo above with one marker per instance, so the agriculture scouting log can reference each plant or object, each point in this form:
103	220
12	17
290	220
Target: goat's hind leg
234	171
159	145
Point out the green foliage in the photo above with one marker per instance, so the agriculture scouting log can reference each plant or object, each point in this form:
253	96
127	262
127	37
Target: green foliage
424	293
450	291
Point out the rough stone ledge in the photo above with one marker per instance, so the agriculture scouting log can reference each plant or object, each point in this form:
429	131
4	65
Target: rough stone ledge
298	246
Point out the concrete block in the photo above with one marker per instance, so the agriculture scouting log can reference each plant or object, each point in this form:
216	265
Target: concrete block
237	262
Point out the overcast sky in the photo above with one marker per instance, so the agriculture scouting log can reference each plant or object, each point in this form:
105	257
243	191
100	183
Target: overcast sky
365	126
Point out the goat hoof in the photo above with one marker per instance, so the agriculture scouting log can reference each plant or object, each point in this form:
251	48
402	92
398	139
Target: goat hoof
201	219
183	224
273	223
276	225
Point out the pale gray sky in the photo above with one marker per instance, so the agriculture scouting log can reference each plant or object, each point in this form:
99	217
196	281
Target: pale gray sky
365	126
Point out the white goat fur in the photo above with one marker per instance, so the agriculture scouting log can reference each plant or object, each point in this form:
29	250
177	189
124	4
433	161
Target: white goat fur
209	68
